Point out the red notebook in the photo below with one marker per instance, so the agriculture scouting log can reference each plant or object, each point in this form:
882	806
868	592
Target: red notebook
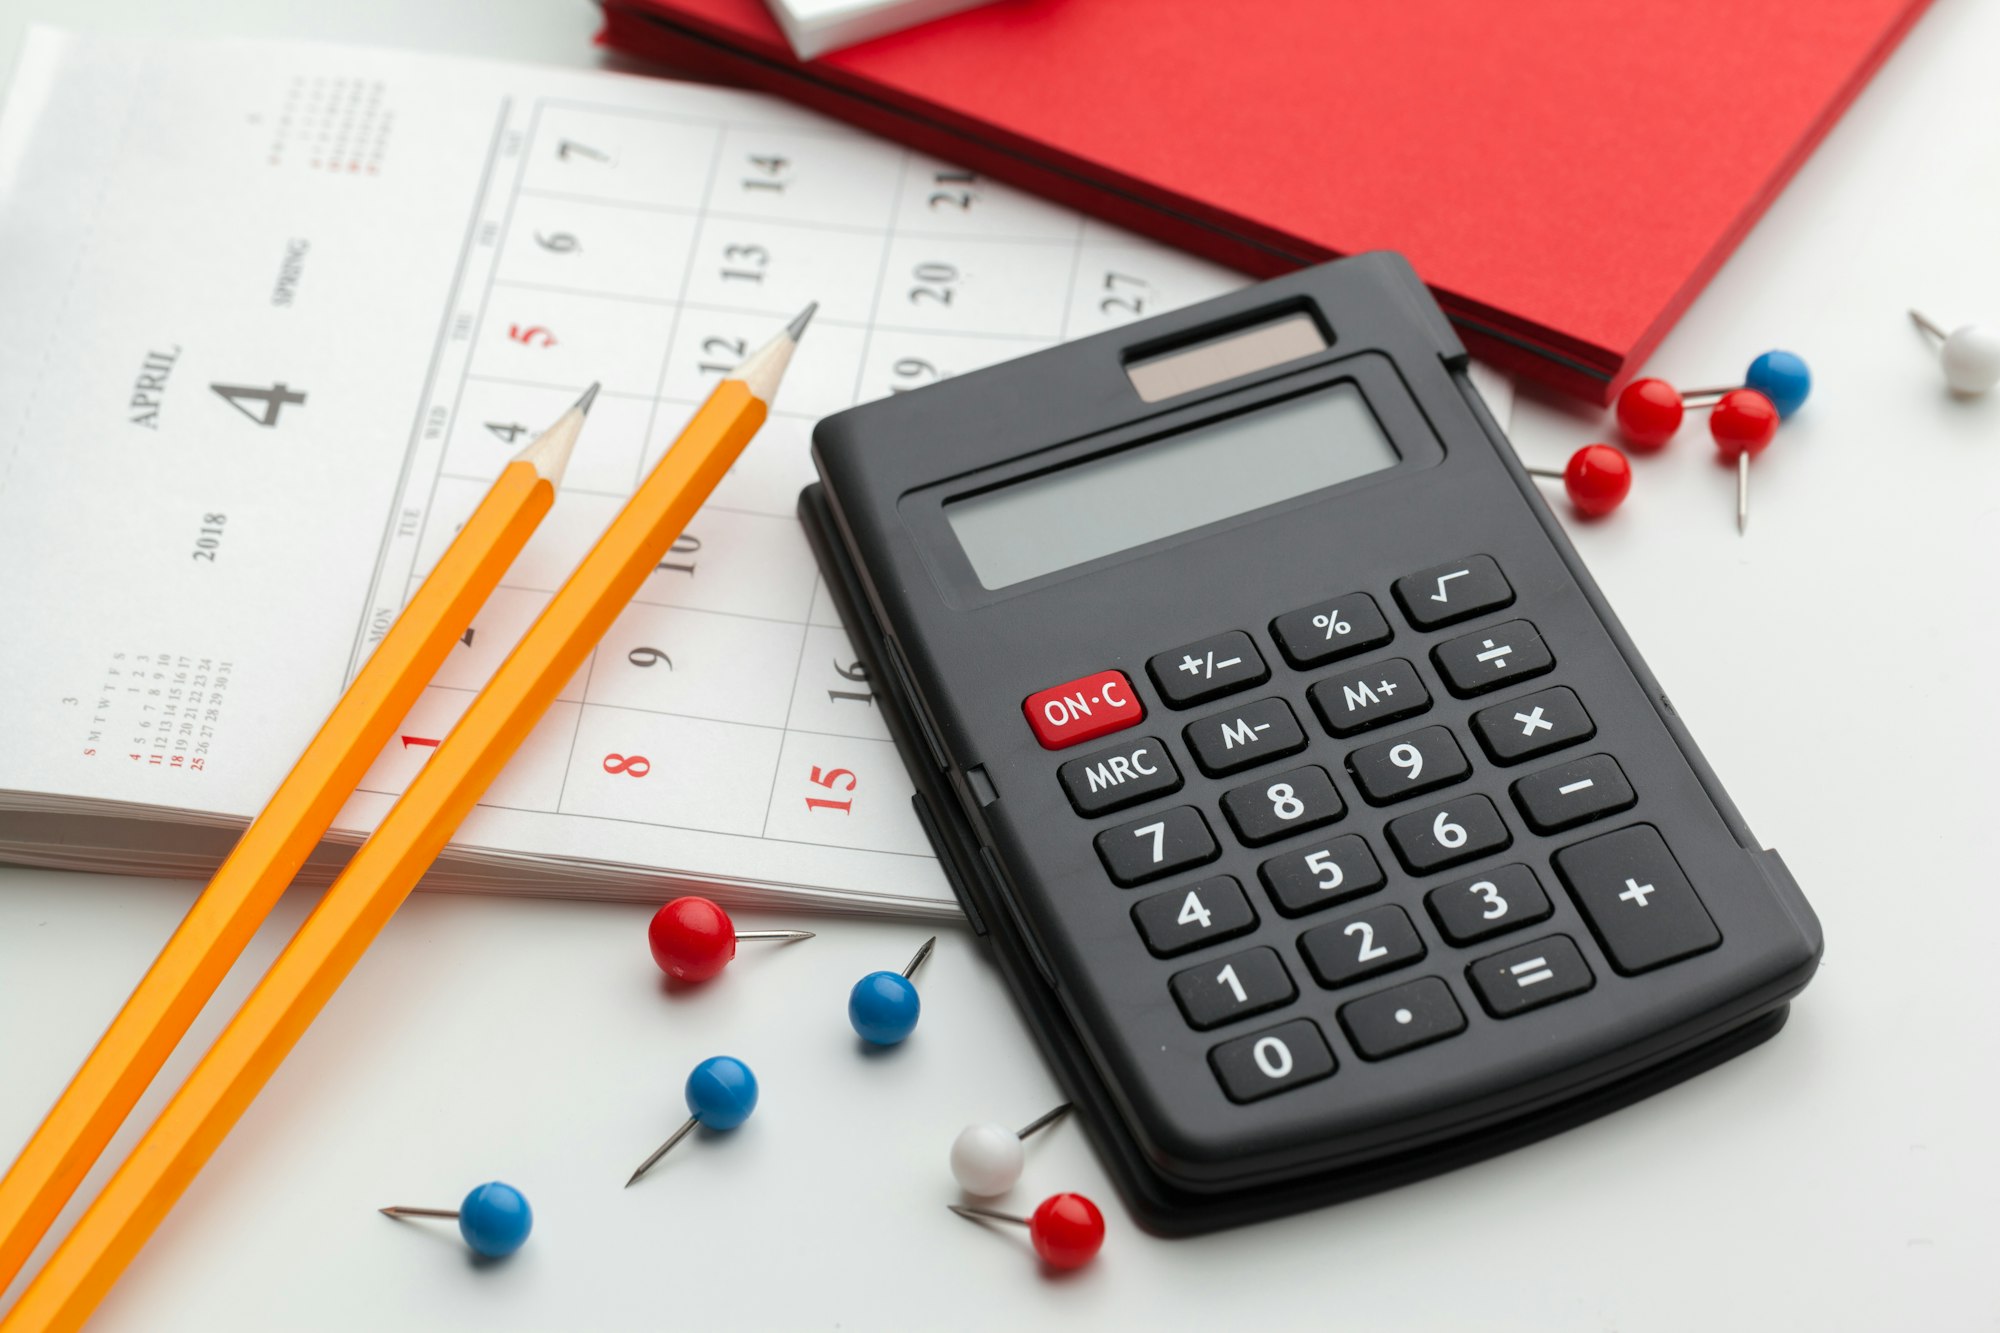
1565	175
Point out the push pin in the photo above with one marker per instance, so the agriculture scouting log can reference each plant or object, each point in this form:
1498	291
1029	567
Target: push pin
693	939
1780	376
1597	477
1066	1229
883	1006
721	1093
494	1219
1970	355
1743	423
1650	410
987	1158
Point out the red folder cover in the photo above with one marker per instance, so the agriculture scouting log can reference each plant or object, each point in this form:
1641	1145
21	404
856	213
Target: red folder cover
1565	174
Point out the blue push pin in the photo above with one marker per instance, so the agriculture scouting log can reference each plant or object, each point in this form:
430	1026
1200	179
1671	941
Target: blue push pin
721	1093
883	1006
494	1219
1780	376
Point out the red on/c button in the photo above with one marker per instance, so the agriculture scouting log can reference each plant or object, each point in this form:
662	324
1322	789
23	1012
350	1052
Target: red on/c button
1082	709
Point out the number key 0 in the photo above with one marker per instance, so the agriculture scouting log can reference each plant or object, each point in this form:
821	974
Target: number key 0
1156	844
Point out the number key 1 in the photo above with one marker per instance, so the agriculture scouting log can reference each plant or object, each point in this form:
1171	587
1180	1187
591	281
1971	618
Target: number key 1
1222	990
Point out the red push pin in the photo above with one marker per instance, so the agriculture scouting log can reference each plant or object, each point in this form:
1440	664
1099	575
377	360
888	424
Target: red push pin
1649	412
1597	477
693	939
1066	1229
1743	423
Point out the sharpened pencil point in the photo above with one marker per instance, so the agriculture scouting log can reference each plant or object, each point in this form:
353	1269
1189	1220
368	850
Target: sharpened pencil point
589	397
797	327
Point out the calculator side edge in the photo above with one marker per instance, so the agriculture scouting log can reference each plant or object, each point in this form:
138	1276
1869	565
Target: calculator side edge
1767	860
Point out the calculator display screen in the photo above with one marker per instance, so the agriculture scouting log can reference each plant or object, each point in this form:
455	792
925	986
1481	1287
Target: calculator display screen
1166	486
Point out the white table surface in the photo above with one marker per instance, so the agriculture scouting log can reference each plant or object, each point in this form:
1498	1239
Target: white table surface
1836	665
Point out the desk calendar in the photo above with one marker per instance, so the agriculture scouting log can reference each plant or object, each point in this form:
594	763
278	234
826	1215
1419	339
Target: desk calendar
280	312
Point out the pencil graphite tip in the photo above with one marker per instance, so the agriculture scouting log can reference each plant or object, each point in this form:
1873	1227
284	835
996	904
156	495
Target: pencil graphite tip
797	327
589	397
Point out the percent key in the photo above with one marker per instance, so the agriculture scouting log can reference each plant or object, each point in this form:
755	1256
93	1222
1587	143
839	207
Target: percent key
1328	631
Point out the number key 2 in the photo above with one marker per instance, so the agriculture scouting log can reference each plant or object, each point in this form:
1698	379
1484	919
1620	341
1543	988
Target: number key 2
1343	952
1284	803
1222	990
1156	844
1182	919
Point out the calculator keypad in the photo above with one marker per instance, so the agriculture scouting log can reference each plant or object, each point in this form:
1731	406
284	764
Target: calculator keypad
1223	990
1357	947
1238	738
1282	804
1402	1018
1447	835
1369	696
1484	661
1279	1059
1207	669
1156	844
1408	765
1111	779
1326	632
1639	906
1321	874
1181	919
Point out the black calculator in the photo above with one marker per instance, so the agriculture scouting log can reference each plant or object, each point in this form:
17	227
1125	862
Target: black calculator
1326	825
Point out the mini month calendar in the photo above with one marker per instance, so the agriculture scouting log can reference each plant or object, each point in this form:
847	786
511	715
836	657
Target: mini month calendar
278	314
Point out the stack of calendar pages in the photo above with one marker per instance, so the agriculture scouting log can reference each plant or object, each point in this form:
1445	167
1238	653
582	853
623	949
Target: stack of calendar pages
279	313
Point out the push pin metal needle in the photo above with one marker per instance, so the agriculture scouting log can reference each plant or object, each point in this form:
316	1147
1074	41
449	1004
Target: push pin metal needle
1065	1229
1970	354
883	1006
1742	424
494	1219
721	1093
987	1159
1597	477
693	939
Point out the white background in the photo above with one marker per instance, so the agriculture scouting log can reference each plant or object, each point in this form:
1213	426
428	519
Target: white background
1836	665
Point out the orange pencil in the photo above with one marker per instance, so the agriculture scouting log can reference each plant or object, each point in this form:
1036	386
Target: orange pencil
246	886
347	920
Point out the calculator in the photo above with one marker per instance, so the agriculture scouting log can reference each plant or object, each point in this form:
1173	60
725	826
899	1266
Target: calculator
1327	827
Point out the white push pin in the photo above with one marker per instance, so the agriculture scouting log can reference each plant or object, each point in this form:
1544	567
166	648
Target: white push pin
1970	355
987	1158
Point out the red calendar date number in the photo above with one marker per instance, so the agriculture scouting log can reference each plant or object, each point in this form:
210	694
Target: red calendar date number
833	779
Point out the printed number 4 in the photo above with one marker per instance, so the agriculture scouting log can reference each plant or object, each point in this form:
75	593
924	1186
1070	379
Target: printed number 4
1192	912
828	779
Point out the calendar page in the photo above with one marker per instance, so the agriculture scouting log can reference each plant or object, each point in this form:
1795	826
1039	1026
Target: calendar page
278	314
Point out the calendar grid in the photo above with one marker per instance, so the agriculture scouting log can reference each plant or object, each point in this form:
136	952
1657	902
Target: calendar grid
652	252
